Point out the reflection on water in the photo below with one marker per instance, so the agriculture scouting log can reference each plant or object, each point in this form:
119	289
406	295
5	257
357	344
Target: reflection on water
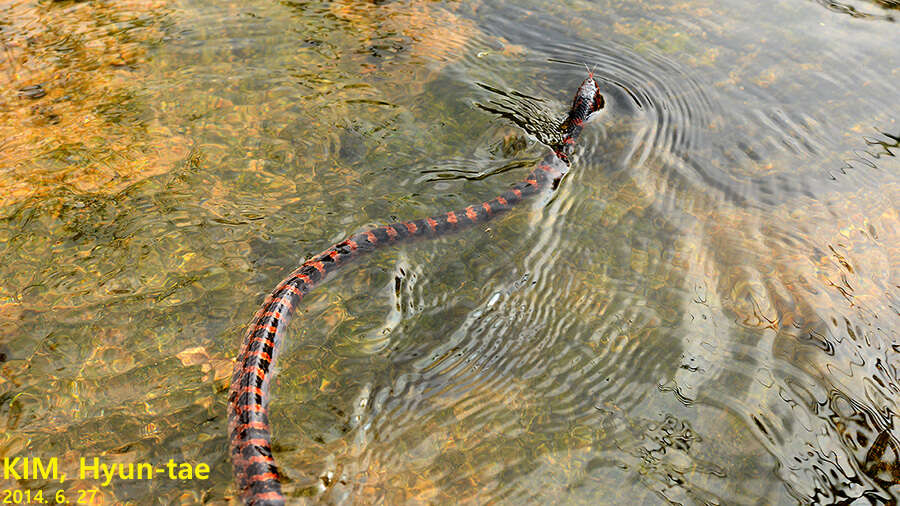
705	311
864	10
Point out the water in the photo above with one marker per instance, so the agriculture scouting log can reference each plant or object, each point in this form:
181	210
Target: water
705	311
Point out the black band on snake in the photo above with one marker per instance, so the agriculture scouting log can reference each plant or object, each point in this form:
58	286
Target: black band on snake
248	421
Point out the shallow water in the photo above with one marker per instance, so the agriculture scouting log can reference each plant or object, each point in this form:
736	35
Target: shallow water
705	310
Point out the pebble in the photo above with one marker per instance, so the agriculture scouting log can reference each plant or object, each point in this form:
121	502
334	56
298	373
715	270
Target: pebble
34	92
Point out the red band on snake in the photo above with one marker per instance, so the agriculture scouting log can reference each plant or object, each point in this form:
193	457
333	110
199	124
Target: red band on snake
248	423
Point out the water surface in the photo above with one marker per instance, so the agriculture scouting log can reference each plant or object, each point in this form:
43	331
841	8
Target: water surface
705	310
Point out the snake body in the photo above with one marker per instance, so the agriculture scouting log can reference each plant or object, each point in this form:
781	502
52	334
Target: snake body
248	420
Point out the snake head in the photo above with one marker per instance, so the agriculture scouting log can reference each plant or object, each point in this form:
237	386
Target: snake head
589	94
588	100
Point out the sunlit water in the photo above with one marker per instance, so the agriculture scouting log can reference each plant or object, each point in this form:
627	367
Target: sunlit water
705	311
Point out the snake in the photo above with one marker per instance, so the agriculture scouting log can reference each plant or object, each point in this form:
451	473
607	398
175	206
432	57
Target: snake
250	436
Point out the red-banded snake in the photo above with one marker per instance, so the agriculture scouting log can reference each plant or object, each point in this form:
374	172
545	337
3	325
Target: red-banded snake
248	422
